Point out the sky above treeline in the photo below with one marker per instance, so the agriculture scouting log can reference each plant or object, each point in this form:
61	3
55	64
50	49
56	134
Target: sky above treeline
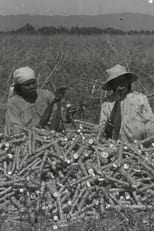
69	7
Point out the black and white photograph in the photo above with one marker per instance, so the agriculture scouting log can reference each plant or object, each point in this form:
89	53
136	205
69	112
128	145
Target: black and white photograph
77	115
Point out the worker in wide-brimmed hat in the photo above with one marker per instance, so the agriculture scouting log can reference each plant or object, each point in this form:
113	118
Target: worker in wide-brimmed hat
29	106
126	114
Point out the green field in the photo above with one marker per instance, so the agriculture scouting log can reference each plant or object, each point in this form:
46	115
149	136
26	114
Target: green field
76	61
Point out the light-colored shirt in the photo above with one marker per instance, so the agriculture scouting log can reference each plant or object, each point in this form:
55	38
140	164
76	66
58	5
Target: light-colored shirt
22	114
137	118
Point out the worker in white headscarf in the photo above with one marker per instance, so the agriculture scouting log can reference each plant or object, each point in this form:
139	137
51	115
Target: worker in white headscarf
29	106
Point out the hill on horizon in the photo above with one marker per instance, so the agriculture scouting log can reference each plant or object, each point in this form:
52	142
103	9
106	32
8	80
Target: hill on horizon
123	21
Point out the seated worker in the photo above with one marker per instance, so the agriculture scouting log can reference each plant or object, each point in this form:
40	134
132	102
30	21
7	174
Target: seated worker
29	106
126	114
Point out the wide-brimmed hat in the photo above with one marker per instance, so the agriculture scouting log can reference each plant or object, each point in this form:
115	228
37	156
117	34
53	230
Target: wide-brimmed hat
118	71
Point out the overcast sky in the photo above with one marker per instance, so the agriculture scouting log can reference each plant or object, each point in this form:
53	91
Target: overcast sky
67	7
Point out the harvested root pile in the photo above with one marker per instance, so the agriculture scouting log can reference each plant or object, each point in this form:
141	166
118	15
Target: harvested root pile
72	175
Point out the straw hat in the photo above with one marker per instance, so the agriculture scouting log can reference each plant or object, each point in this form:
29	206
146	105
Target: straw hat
118	71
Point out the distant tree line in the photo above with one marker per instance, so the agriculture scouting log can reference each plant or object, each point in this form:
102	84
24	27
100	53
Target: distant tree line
29	29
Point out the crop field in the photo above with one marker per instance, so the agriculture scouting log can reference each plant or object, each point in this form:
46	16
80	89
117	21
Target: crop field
79	62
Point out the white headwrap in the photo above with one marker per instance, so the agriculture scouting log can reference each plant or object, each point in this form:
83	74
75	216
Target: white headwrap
20	76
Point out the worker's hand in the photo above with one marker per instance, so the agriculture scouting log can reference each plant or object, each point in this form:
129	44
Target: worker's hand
71	109
59	94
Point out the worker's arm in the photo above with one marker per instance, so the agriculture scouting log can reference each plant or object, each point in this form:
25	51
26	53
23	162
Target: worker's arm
48	111
13	122
104	116
147	116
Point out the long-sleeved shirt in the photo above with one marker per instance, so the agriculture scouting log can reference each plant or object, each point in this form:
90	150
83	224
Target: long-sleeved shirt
22	114
137	118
